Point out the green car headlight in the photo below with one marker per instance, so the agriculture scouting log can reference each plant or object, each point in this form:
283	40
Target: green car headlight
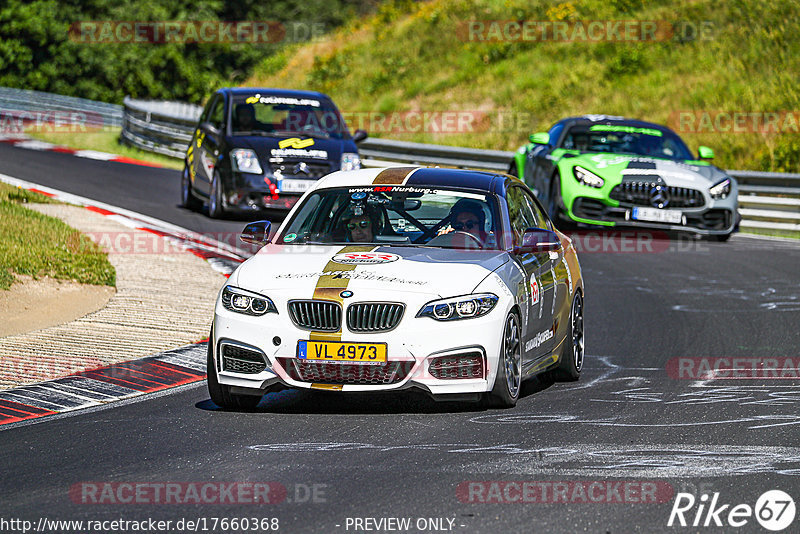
587	178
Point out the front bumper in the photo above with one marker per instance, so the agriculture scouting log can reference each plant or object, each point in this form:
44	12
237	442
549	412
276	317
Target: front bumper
411	347
252	192
710	221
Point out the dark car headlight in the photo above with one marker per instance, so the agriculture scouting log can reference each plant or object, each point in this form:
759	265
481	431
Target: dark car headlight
245	160
721	190
241	301
464	307
587	178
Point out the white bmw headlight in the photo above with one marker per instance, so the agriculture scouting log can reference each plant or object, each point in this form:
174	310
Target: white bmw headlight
350	161
245	160
721	190
465	307
587	178
241	301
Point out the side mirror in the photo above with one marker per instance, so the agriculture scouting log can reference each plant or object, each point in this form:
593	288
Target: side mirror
256	233
541	138
705	152
359	135
209	128
538	240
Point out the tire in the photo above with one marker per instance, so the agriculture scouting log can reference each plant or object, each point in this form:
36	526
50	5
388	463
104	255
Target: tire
216	200
552	200
188	200
221	394
505	391
721	238
570	362
512	169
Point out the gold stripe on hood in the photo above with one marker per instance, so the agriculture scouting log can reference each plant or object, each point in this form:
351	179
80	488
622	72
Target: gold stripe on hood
329	288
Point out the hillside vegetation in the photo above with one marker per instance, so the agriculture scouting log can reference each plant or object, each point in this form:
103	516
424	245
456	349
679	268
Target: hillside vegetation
416	56
44	47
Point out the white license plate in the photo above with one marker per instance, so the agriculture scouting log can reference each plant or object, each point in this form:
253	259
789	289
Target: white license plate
296	186
657	215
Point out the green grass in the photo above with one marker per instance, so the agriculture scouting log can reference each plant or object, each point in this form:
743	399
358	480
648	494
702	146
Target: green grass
409	56
104	141
36	245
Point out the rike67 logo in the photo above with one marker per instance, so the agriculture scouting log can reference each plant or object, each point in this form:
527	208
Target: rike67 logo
774	510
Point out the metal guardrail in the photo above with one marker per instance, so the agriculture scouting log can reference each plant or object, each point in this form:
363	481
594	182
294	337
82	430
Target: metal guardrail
23	101
768	201
157	126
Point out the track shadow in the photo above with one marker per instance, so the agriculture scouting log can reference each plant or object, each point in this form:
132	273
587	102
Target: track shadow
308	402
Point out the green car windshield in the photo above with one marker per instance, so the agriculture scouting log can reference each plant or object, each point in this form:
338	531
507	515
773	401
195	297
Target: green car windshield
619	139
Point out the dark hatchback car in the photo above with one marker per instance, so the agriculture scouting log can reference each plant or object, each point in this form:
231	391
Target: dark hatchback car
259	148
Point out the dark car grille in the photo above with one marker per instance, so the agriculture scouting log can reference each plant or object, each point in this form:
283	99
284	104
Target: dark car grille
588	208
241	360
322	315
469	365
716	219
294	168
373	316
334	373
638	194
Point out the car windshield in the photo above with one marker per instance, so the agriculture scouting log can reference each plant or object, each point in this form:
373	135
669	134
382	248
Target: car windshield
395	215
618	139
276	115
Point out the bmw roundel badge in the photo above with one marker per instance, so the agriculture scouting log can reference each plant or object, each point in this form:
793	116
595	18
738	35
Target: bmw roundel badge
346	294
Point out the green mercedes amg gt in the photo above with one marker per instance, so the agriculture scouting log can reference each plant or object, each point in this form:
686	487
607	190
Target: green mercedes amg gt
613	171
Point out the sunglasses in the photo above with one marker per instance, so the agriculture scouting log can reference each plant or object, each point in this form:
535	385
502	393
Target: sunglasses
362	224
469	225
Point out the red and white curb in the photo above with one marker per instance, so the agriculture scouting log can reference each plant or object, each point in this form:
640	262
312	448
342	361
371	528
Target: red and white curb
124	380
22	141
222	257
97	387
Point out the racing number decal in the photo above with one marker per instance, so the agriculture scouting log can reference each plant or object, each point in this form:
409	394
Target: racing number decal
534	289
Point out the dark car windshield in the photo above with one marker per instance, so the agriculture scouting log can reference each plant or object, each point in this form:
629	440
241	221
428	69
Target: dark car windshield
277	115
383	215
620	139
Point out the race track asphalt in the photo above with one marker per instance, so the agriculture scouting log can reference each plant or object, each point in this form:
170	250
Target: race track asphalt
629	420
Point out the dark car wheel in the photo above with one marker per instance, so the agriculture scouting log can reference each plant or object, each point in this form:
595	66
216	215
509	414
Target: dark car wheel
512	169
508	382
722	238
188	200
571	359
216	198
221	394
553	199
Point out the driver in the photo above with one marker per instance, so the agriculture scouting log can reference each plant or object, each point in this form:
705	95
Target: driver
360	224
246	118
467	215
